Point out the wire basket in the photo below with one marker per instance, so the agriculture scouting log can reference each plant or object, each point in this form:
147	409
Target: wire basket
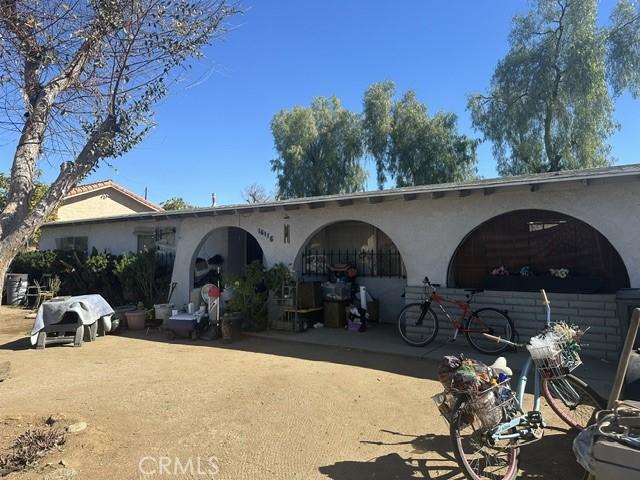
490	406
555	360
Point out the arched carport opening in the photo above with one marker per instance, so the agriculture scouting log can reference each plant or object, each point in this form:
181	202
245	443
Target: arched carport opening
224	249
378	261
529	244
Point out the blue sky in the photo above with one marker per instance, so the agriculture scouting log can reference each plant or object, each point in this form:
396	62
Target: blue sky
213	132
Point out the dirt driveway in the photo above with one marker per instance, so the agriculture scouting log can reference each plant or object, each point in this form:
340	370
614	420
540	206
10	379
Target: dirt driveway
257	409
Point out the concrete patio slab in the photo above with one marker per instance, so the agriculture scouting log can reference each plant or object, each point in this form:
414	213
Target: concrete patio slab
384	339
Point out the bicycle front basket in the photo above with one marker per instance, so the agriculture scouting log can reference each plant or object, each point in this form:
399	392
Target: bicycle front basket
556	359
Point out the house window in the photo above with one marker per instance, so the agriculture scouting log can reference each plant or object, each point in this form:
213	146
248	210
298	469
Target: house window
79	244
146	243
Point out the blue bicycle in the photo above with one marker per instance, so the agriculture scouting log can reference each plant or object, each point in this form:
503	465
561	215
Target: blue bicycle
489	426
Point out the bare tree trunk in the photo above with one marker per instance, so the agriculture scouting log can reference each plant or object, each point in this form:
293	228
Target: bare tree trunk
23	224
4	267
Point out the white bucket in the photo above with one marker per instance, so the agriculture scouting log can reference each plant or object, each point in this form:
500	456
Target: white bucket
194	297
163	311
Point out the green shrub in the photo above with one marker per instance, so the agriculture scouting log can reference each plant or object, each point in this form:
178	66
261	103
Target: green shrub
118	278
142	278
251	291
35	263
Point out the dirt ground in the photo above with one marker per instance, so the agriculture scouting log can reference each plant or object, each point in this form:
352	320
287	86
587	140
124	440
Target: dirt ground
255	409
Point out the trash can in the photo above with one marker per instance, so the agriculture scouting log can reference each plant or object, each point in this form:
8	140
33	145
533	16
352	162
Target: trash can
16	287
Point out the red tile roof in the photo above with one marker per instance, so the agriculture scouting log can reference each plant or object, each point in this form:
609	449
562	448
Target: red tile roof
90	187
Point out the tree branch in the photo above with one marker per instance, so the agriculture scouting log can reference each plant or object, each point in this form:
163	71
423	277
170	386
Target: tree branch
98	146
22	29
622	26
99	28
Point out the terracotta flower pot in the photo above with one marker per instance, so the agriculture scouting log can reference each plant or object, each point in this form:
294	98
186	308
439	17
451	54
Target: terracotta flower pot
136	319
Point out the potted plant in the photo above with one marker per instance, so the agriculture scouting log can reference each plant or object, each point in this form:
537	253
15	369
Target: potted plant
136	319
249	297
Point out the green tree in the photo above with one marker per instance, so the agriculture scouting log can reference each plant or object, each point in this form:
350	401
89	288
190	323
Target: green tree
410	146
549	106
79	81
319	150
176	203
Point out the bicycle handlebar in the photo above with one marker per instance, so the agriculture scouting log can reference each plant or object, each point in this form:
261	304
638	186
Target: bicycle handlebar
501	340
547	306
545	300
493	337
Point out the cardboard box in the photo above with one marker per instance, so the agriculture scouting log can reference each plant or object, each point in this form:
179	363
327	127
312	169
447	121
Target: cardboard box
309	295
335	313
336	292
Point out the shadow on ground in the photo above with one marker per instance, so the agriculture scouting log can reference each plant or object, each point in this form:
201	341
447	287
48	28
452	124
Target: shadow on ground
414	367
16	345
431	457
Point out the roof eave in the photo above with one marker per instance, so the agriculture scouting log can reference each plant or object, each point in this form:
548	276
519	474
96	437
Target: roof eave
488	186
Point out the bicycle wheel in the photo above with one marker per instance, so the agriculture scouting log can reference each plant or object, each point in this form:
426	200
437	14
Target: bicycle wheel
478	460
573	400
417	325
493	322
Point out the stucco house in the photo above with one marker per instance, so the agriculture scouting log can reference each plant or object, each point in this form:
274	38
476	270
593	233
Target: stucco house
586	221
102	199
98	200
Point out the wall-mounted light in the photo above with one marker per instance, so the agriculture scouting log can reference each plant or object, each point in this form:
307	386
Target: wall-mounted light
287	233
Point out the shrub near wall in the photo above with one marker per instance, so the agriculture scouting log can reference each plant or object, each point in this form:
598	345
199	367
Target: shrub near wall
35	263
118	278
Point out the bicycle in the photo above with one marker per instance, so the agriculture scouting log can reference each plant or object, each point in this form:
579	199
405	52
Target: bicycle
418	324
486	439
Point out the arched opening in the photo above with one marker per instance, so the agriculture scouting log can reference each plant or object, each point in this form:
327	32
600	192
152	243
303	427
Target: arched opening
377	260
225	249
526	250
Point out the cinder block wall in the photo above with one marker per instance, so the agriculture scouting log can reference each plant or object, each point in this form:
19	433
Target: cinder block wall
528	315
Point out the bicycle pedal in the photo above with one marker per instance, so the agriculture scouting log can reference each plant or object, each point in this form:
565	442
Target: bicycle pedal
534	418
535	434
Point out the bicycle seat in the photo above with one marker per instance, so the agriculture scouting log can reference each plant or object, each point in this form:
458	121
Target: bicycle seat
473	291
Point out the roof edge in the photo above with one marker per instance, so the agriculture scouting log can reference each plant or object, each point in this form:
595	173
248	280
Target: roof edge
111	184
499	182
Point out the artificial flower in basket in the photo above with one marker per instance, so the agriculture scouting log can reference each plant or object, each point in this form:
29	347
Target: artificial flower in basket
501	271
559	272
525	271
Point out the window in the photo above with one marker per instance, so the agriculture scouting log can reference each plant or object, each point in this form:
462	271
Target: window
79	244
540	240
146	243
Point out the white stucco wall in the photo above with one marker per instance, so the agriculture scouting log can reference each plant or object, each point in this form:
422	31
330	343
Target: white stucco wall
426	230
215	244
